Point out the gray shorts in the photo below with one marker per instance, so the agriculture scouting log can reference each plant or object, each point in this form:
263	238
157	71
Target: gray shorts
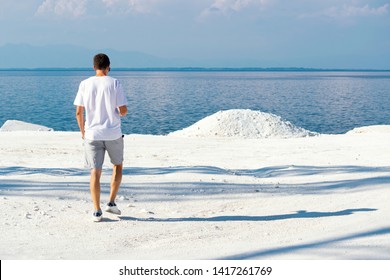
95	151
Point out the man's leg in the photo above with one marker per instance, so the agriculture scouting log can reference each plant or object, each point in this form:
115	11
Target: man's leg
94	159
115	181
115	151
95	187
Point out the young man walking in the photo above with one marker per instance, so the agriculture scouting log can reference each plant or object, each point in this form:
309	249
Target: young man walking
103	102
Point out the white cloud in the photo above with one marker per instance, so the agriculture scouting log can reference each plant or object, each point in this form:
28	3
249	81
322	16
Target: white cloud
131	6
226	7
364	11
63	8
350	11
79	8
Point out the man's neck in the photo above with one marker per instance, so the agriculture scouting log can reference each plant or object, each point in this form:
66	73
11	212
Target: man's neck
101	72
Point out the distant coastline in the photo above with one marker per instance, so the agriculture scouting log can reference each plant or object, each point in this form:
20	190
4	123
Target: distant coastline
207	69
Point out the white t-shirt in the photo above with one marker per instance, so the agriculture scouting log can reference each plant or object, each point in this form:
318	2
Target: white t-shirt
101	97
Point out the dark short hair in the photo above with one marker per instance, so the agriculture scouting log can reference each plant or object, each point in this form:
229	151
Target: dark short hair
101	61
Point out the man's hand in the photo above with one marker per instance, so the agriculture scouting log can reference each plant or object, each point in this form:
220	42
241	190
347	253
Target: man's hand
122	110
80	119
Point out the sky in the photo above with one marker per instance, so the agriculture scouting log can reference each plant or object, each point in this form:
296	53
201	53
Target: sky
221	33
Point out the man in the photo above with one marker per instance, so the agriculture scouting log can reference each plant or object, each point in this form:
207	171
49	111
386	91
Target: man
102	100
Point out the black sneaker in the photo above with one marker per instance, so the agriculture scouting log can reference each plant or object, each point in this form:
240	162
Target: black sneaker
97	216
112	208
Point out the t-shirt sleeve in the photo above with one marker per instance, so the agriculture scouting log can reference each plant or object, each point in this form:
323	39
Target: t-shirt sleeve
120	95
78	101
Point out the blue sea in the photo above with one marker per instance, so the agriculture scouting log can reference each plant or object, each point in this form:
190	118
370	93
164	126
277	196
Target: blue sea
164	101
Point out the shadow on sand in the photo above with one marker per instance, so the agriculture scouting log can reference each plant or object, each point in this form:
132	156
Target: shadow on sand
302	214
294	249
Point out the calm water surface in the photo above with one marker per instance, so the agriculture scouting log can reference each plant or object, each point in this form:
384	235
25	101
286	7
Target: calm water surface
164	101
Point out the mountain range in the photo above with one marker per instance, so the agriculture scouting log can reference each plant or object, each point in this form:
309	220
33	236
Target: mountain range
70	56
25	56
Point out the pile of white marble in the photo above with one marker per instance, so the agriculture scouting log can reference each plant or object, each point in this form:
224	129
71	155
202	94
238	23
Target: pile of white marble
243	124
13	125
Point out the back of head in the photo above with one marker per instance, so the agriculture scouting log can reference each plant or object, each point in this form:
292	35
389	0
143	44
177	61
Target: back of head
101	61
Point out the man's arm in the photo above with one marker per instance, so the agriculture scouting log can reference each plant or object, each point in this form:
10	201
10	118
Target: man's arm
122	110
80	119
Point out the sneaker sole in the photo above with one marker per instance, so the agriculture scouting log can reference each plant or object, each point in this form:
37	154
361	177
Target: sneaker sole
113	211
97	219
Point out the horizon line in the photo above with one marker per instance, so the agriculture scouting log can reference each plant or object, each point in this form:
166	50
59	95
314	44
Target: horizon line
201	69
